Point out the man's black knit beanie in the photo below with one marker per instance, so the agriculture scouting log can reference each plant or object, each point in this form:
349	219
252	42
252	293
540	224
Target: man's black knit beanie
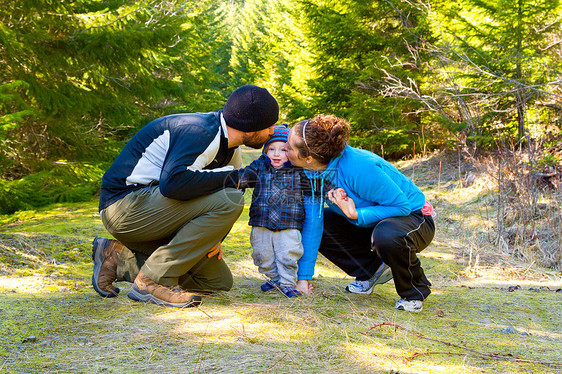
251	108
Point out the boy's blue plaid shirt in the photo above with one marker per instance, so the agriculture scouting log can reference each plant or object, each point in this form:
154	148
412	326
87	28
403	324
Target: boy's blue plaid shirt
277	200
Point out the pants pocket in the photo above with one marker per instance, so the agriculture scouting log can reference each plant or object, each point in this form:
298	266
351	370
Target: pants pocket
115	214
112	216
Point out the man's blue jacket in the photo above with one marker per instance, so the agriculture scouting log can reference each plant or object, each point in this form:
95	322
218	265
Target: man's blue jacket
187	155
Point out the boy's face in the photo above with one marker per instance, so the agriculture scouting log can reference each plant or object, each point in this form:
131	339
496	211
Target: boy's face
277	153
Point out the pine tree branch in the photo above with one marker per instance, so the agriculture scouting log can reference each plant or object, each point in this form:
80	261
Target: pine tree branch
117	19
142	5
486	356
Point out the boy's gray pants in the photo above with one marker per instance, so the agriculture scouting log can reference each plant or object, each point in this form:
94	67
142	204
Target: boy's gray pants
169	239
276	253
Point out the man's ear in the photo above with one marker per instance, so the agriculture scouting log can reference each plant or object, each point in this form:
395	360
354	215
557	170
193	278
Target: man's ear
309	159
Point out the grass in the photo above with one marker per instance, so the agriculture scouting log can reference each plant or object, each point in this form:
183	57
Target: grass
53	322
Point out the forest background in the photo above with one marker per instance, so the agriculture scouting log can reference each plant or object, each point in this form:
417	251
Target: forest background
463	96
478	80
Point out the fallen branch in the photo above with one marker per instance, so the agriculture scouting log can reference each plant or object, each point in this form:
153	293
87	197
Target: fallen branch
485	355
475	352
275	363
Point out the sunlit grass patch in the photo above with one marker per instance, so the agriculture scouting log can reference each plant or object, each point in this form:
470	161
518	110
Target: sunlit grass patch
388	356
323	333
45	293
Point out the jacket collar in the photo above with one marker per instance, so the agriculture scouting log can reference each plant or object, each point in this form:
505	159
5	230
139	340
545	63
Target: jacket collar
223	125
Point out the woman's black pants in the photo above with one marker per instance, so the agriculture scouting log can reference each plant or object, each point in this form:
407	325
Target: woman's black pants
359	251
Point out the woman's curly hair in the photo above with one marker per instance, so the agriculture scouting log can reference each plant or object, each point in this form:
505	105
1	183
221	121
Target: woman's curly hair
325	137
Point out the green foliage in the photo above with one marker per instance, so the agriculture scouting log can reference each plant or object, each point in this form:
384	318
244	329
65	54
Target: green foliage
269	49
500	58
64	182
97	71
392	144
12	103
78	79
322	56
13	111
549	160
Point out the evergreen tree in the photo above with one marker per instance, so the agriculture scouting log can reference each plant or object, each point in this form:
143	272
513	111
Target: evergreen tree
325	56
351	42
268	50
370	36
76	76
499	56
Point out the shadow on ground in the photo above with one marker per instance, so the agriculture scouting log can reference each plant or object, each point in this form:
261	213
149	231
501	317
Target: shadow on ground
53	322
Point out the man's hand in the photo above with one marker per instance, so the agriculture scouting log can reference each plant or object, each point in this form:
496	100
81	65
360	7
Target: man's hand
304	287
216	250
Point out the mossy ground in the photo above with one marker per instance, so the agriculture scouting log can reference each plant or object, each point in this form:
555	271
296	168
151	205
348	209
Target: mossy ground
53	322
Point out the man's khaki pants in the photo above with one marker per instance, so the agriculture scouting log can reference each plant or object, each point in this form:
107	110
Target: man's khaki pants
169	239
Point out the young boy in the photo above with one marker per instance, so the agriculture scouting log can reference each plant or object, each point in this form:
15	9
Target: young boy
276	213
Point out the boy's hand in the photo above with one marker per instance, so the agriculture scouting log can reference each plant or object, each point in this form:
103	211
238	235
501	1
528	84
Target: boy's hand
304	287
248	176
216	250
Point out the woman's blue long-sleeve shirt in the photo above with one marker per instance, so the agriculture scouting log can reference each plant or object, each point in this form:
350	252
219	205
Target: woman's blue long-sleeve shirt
378	189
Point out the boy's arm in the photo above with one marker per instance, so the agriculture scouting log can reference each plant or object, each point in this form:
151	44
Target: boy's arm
248	176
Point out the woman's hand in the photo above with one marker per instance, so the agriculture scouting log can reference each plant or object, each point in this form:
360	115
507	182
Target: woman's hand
304	287
339	197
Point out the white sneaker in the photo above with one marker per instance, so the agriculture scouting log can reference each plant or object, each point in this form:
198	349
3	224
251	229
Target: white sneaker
363	287
415	306
382	275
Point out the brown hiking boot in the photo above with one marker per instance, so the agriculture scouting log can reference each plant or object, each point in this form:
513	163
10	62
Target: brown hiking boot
146	290
105	254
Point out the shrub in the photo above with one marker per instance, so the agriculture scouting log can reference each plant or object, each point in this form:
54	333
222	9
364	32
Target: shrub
65	182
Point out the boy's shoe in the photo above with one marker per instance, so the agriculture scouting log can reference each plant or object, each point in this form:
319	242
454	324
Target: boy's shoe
146	290
415	306
270	285
105	254
290	291
381	276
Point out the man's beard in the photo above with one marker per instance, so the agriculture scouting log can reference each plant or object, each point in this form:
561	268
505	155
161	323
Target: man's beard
255	141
